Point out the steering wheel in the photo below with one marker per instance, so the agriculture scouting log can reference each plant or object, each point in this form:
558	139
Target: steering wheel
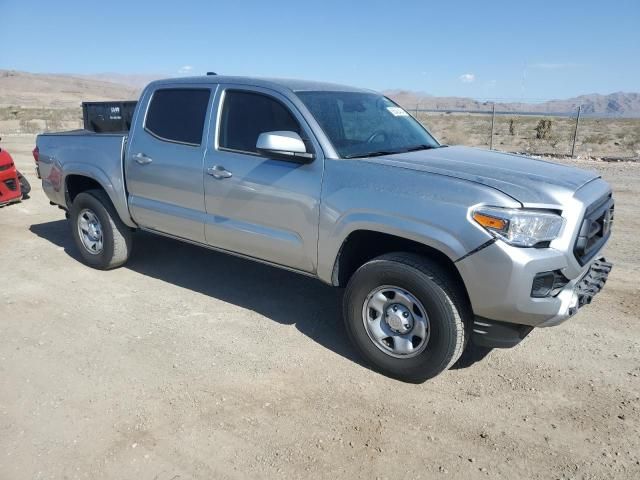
375	134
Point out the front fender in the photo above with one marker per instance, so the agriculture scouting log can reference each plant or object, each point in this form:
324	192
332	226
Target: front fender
426	208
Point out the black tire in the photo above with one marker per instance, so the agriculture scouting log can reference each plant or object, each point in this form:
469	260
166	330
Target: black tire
25	187
446	306
116	236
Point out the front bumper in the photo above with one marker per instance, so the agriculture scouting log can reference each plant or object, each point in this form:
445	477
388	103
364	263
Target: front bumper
9	186
499	278
498	334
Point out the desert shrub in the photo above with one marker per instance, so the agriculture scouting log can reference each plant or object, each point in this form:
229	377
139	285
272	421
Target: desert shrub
543	129
512	126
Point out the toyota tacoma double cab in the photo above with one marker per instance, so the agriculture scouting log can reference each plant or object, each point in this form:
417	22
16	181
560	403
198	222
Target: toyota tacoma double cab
437	246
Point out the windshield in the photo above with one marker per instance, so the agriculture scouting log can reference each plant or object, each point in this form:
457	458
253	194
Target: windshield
366	124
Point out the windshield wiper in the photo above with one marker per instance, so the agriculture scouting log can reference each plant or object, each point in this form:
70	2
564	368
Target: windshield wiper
415	148
373	154
419	147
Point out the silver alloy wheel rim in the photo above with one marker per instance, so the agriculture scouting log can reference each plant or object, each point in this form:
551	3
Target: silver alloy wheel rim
396	321
90	231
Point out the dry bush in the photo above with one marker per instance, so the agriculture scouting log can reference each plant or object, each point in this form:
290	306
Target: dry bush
543	129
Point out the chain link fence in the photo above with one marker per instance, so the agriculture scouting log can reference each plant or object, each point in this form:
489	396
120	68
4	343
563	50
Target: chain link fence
558	134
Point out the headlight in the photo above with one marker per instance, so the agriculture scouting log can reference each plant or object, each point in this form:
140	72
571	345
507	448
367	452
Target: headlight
519	227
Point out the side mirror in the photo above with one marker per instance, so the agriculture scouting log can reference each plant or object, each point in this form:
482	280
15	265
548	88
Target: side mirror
284	146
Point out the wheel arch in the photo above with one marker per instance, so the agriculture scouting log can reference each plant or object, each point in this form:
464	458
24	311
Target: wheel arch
360	246
90	178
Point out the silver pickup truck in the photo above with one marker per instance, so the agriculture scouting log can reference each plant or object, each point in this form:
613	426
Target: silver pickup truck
437	245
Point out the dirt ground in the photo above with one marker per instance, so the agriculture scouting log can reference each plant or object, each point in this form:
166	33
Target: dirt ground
191	364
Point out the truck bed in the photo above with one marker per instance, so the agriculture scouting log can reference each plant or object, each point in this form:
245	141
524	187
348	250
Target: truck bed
81	152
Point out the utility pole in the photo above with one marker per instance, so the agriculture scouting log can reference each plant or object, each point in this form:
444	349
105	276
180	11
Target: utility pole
575	133
493	121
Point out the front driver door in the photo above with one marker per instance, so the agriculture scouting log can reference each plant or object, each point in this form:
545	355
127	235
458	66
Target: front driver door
261	207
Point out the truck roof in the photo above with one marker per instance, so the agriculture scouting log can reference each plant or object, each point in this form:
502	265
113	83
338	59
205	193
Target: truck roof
272	83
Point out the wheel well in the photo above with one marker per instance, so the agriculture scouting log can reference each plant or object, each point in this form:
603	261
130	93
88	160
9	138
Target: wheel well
76	184
364	245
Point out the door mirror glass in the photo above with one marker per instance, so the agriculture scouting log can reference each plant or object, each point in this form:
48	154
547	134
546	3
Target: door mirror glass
284	145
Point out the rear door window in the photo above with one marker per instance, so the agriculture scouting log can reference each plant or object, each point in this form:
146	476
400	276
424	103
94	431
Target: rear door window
178	114
245	115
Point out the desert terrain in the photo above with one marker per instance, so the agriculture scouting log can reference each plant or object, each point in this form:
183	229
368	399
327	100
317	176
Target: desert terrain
191	364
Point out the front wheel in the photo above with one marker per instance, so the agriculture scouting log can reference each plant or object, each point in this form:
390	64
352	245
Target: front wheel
103	240
406	316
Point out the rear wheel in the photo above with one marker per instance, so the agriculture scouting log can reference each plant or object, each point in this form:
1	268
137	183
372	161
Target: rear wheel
102	239
407	316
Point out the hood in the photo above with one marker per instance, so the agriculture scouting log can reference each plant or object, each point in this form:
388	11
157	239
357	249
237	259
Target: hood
530	181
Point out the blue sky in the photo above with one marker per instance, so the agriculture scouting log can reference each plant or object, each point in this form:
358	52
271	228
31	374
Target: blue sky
532	50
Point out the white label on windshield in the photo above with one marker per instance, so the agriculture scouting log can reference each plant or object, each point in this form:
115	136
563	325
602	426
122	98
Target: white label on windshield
397	112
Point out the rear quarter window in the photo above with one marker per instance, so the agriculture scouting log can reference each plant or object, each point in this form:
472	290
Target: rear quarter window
178	114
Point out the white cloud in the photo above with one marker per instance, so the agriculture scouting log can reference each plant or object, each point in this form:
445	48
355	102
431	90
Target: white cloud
467	78
184	70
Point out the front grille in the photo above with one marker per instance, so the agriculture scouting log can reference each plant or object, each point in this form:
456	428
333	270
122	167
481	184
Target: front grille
595	229
11	184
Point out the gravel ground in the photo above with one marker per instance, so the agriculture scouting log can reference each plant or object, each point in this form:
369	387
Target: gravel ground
191	364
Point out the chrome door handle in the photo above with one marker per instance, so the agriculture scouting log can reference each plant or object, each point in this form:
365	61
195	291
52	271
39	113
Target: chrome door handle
218	171
142	159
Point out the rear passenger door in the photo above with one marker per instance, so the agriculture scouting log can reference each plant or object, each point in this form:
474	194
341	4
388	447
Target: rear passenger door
164	164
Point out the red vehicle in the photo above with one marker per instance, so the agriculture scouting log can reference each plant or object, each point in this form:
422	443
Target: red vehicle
13	186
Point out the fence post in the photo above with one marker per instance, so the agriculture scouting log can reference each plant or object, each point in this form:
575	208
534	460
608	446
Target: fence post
493	121
575	133
416	115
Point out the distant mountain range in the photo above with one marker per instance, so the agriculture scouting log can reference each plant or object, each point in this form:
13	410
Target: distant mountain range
619	104
24	89
67	91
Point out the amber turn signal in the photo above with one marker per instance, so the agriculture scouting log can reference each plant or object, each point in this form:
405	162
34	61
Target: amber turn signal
490	222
